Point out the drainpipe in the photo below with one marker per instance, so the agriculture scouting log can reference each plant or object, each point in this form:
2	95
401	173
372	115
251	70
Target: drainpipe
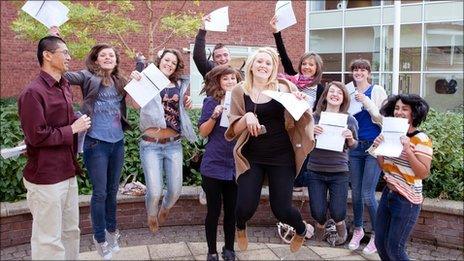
396	48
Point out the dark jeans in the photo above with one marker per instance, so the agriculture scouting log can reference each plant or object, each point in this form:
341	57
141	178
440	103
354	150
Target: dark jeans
280	180
303	178
337	185
396	217
218	192
104	162
365	173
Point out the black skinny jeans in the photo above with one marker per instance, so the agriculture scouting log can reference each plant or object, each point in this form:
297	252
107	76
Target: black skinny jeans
280	195
218	192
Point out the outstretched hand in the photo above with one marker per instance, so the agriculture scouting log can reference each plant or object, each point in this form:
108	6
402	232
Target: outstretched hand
203	20
54	30
273	23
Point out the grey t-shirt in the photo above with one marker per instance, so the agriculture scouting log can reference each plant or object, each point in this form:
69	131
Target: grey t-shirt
106	120
332	161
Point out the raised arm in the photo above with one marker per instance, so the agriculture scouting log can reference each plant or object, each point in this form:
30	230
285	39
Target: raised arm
286	62
199	54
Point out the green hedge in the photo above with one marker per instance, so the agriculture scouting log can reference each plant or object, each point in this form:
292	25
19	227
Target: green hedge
446	180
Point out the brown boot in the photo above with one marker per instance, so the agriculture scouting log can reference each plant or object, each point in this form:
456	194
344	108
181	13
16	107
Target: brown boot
162	215
296	242
242	239
153	223
319	232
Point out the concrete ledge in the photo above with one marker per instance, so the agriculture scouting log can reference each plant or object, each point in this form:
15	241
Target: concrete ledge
191	192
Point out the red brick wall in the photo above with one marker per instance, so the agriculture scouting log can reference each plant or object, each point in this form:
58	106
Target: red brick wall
435	228
249	26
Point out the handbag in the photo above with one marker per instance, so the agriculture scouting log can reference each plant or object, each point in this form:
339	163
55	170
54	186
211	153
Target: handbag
132	188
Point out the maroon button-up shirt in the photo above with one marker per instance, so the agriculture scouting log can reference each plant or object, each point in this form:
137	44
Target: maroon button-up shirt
46	114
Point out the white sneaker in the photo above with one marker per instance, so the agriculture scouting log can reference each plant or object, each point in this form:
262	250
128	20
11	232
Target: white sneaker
103	249
370	247
112	239
358	234
309	230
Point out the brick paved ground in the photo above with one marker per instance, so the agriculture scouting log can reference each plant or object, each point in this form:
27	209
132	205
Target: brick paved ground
137	237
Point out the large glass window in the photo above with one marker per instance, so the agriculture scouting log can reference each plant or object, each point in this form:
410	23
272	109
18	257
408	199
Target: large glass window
328	44
410	47
325	5
329	77
444	46
363	42
362	3
443	91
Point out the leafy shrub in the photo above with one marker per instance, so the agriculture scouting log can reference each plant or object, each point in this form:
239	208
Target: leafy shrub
446	180
12	189
446	130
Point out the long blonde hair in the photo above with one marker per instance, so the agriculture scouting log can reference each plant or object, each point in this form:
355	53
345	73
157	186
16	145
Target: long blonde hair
272	82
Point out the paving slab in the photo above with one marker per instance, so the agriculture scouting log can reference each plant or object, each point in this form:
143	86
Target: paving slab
332	252
166	251
258	254
126	253
284	253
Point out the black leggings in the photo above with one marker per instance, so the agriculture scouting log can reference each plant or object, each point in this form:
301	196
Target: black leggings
280	195
216	190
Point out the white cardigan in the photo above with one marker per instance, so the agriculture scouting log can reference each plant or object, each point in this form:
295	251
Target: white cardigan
373	105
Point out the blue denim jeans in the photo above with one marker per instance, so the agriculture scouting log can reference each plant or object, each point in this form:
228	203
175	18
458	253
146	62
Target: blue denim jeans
104	161
302	179
396	218
337	185
158	159
365	173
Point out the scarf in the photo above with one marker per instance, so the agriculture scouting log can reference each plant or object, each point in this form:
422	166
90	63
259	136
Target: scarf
301	81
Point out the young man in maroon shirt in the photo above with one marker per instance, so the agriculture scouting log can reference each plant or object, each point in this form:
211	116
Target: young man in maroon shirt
48	122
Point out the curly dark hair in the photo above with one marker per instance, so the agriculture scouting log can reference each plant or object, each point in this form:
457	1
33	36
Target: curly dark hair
175	76
419	107
212	85
119	80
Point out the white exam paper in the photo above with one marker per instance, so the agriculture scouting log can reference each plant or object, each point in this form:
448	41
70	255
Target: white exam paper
392	130
49	13
225	112
284	14
151	84
12	152
80	141
219	20
355	106
333	125
291	103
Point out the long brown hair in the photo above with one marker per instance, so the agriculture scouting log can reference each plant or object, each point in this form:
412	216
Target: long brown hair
115	75
322	104
175	76
212	85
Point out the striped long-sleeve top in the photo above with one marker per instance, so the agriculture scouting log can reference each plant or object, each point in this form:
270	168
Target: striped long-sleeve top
398	171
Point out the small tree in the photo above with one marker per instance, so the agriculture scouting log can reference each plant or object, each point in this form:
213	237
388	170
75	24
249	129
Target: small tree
112	19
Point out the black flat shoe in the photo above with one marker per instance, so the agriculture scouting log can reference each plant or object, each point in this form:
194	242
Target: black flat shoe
212	257
228	255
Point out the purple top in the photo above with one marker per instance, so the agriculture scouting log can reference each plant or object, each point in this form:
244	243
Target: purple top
218	159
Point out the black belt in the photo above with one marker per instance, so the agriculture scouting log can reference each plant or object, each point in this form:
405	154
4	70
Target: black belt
160	140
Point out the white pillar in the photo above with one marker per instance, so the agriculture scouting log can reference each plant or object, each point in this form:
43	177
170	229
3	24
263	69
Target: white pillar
396	48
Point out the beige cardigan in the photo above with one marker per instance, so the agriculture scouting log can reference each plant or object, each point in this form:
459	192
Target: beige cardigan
301	132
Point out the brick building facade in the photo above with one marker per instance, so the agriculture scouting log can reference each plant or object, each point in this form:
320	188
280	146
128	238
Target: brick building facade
249	26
